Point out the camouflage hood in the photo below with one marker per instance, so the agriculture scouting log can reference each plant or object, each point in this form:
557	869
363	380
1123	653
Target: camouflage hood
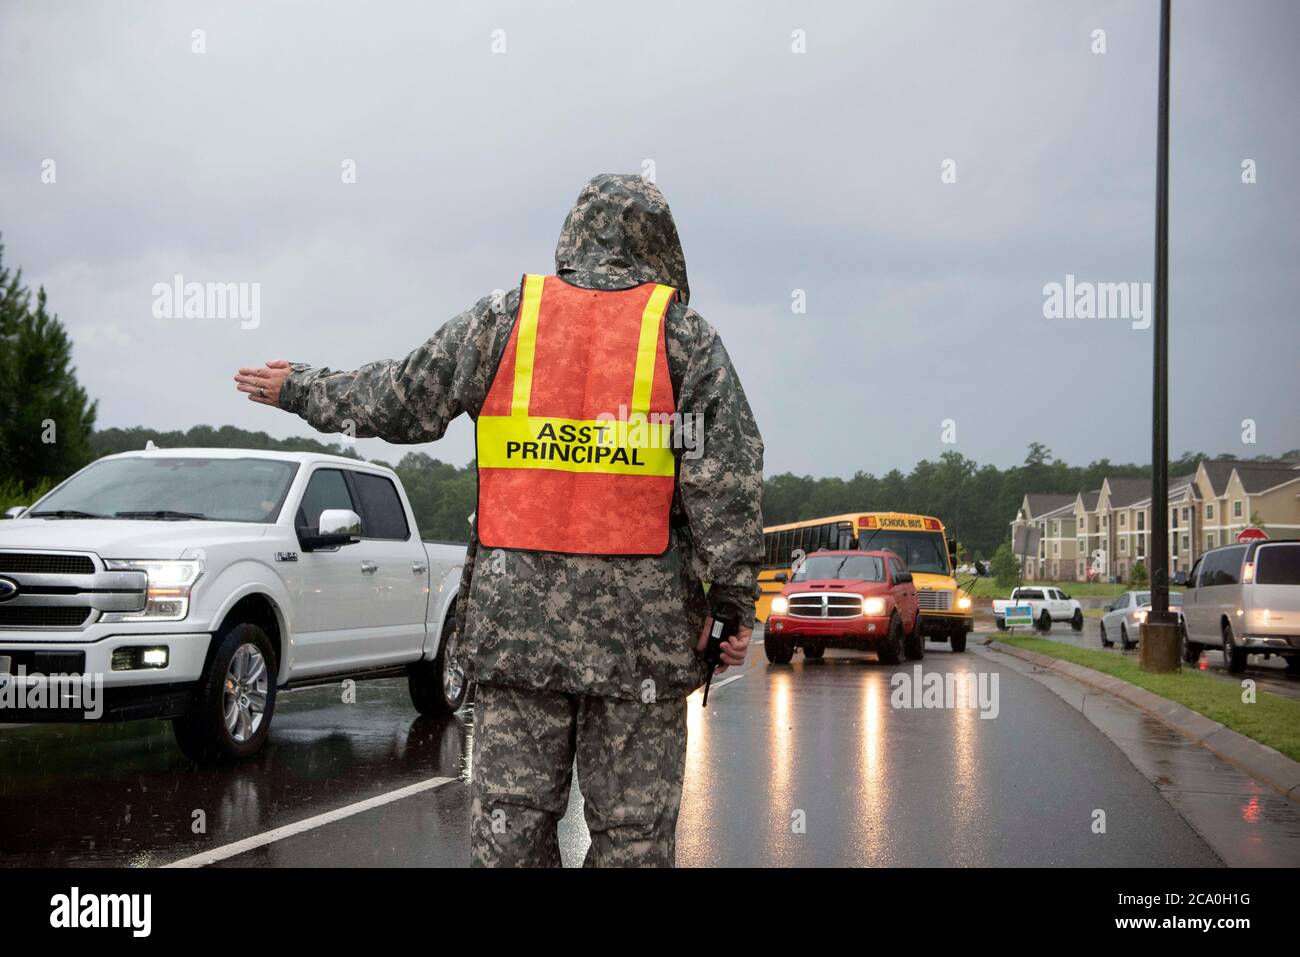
620	233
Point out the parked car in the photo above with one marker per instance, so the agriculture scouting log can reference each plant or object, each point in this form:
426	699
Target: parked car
196	583
1124	617
846	599
1245	599
1047	605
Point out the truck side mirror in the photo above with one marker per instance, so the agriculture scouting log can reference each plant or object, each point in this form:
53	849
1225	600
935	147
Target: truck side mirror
903	578
15	512
338	526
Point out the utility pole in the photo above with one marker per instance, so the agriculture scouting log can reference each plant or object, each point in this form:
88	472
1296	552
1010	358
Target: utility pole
1159	649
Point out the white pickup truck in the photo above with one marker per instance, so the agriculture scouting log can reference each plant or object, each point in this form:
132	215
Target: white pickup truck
1046	606
192	584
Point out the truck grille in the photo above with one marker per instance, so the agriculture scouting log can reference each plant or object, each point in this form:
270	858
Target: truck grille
38	563
825	606
65	591
930	600
43	616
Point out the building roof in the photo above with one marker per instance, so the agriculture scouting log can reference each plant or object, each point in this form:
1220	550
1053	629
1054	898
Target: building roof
1090	500
1218	471
1126	491
1262	479
1065	511
1041	503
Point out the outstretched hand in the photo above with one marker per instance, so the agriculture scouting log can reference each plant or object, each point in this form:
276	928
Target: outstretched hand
262	383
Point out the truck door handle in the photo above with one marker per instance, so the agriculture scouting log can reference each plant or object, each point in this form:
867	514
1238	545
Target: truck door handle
418	568
368	568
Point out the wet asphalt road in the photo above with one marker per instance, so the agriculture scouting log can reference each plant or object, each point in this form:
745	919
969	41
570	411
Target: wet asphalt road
805	764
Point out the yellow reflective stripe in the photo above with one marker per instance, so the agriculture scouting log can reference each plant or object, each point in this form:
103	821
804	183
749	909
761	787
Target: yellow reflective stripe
526	343
647	348
610	447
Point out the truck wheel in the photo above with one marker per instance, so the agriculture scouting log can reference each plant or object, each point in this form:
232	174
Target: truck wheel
1191	650
438	687
1233	657
890	647
235	700
1105	642
813	651
914	644
958	640
778	650
1001	623
1293	665
1077	621
1045	621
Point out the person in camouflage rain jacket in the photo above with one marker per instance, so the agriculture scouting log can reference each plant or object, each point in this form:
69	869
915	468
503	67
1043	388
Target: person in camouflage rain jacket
585	657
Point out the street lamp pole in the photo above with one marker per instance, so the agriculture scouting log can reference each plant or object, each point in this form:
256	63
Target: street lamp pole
1160	638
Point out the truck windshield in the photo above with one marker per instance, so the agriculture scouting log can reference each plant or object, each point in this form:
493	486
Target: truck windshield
921	551
862	568
224	490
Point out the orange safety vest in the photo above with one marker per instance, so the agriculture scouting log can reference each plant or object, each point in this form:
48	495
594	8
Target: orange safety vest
574	439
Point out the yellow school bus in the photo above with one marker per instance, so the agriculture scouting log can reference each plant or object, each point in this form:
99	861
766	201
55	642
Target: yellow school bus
919	540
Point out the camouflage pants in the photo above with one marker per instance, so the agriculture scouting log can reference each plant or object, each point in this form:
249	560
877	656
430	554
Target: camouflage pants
630	757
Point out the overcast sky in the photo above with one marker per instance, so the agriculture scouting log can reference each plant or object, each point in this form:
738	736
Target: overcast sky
817	171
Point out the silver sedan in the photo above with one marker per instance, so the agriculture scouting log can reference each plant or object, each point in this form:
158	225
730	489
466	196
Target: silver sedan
1122	620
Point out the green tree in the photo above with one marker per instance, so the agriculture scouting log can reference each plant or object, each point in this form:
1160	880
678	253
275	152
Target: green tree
1138	576
46	418
1006	569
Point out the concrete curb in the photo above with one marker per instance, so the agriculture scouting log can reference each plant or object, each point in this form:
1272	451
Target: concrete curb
1261	762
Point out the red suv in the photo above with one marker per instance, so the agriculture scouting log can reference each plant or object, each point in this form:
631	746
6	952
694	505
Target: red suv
846	599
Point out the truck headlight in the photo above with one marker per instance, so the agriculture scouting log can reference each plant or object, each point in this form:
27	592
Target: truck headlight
872	607
779	605
167	596
964	602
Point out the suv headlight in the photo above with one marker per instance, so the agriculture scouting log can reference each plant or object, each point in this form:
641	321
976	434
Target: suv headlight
167	596
873	606
779	605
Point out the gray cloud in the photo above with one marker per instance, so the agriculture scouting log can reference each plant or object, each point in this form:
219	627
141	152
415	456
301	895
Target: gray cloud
817	171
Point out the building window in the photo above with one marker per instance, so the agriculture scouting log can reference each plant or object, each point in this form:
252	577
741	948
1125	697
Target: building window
1186	542
1209	511
1236	509
1142	521
1209	540
1123	519
1173	518
1142	547
1186	514
1123	546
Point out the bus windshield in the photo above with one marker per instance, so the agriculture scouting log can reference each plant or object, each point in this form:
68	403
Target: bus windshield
924	552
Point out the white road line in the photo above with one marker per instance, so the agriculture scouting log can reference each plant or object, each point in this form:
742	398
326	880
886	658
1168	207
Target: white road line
726	681
289	830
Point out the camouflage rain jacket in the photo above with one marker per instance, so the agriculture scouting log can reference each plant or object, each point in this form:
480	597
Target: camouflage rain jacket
609	626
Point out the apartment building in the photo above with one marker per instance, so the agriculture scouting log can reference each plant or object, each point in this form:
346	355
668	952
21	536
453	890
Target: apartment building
1110	527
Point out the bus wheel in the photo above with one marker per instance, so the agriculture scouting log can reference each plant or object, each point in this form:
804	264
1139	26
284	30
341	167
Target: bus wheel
958	641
